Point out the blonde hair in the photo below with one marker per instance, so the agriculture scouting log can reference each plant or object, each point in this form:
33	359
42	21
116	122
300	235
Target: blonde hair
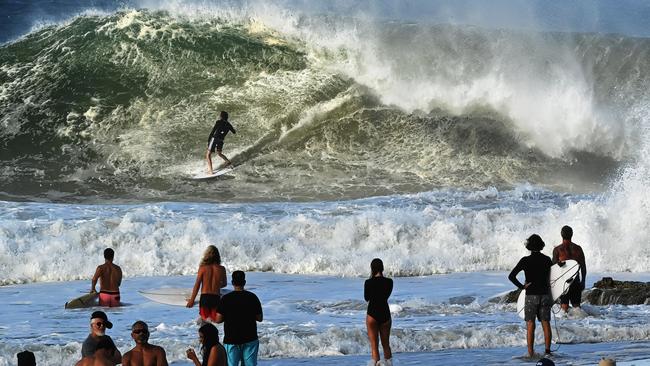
211	256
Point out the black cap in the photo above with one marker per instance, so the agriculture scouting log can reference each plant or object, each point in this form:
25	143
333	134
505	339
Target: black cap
545	362
102	315
26	358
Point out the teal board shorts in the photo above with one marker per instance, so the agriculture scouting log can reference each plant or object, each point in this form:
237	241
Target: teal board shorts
246	353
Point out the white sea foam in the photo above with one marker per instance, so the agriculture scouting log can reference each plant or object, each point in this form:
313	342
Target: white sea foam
435	232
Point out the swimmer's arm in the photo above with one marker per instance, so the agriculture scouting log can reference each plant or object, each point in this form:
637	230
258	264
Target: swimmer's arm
98	273
195	290
119	280
224	282
219	318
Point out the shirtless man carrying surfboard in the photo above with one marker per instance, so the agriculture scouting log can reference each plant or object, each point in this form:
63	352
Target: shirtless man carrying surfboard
563	252
110	277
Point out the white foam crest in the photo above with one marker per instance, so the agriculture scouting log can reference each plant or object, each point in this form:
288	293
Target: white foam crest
337	238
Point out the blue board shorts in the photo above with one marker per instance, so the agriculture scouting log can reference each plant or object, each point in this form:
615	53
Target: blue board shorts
246	353
538	306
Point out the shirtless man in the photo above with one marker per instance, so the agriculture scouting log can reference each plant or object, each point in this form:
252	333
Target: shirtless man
565	251
110	276
211	277
103	355
143	354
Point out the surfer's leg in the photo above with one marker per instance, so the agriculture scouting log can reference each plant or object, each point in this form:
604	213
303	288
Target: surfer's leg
545	318
222	156
373	335
546	326
384	335
208	157
530	337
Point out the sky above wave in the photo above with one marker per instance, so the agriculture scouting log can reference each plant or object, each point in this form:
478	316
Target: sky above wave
627	17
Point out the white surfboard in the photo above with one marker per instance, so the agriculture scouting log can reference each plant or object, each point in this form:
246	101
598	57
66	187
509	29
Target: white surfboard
217	173
560	278
172	295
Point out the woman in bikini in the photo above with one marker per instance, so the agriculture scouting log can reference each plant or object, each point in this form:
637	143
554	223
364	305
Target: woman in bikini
376	291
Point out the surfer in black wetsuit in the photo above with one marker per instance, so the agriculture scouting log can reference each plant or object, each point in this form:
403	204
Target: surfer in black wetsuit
376	291
537	268
216	138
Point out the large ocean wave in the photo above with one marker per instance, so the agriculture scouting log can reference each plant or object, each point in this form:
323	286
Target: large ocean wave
118	107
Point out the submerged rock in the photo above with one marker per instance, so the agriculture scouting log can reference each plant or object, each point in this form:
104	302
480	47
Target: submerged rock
608	291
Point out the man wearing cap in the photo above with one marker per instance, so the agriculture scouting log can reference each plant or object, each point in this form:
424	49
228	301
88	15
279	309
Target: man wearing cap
98	325
239	311
144	353
537	268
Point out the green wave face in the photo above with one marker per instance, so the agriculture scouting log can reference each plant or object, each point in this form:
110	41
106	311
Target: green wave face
119	108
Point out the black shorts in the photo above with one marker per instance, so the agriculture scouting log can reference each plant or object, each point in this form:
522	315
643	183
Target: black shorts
574	295
215	144
538	306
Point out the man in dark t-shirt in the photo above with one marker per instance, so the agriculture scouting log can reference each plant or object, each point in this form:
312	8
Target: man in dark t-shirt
239	311
537	268
98	325
216	138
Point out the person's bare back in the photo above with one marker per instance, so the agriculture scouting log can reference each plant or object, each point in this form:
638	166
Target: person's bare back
110	277
213	278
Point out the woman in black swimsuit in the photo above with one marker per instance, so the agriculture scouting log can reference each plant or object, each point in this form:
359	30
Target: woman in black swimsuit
376	291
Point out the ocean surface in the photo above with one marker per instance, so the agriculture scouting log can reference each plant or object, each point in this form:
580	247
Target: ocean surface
436	135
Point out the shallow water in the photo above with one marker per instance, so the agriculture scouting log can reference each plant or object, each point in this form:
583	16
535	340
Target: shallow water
320	320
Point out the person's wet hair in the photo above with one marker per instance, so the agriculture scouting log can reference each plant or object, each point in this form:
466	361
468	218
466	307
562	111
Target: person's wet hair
238	278
211	256
26	358
566	232
376	266
223	115
142	323
534	243
210	338
109	254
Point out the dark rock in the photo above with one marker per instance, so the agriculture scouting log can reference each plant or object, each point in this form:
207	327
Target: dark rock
511	296
461	300
608	291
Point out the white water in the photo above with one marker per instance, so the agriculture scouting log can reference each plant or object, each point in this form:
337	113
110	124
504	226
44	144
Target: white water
436	232
322	316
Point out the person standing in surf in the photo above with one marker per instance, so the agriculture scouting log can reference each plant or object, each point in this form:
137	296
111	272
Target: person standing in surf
563	252
110	277
216	139
240	311
537	268
376	291
211	277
